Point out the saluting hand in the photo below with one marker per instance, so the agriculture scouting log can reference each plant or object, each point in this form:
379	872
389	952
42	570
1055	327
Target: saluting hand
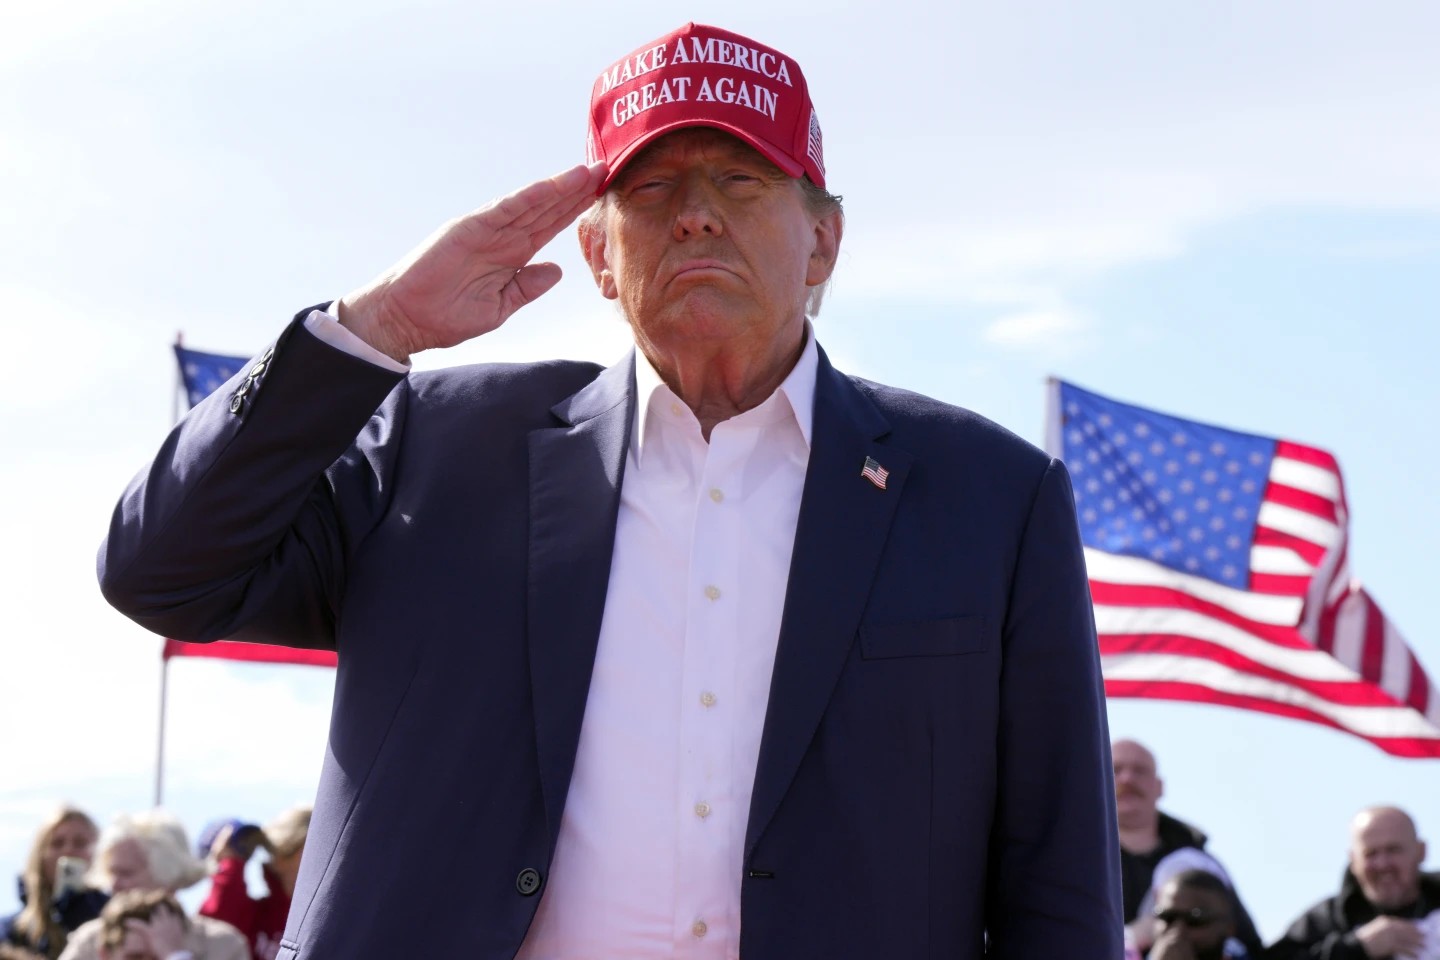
472	273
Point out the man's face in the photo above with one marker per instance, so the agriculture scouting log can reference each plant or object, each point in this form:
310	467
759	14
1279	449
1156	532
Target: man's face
128	867
135	947
1201	917
705	242
1385	856
1137	788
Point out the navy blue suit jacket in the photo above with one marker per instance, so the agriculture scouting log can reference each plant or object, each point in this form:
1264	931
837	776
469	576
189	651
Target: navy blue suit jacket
934	770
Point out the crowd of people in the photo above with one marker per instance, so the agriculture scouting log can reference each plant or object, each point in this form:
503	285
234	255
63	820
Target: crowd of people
1181	903
92	895
111	895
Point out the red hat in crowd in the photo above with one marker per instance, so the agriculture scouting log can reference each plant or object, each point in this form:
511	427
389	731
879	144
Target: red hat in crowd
703	76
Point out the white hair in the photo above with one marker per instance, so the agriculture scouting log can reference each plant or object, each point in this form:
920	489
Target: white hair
167	849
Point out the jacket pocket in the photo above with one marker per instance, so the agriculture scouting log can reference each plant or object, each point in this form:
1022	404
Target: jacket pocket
924	638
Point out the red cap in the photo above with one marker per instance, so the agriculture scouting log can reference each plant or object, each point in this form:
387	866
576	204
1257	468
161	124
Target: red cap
703	76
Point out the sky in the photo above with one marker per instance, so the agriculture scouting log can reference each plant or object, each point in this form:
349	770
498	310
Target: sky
1227	211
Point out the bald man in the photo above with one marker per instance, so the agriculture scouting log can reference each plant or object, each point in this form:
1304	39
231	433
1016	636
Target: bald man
1148	835
1385	902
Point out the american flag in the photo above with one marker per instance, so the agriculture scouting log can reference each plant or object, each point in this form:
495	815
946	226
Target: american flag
203	373
875	473
815	144
1219	571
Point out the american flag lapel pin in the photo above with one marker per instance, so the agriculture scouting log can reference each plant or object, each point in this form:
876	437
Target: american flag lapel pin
875	473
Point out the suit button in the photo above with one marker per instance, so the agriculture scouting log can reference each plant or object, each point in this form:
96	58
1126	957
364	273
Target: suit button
236	402
528	882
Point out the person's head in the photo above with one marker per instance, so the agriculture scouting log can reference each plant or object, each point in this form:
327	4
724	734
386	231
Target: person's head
714	223
285	840
1195	904
146	851
1385	857
67	832
118	940
1138	786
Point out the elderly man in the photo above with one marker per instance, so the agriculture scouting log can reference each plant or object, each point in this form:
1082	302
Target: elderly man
1386	906
716	652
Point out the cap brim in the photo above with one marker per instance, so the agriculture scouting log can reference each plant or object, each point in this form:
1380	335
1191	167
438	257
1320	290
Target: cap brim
771	152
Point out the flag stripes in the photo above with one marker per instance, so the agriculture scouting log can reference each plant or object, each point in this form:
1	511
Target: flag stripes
1291	634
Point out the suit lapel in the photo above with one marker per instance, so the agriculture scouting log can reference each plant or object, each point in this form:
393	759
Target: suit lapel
575	474
843	524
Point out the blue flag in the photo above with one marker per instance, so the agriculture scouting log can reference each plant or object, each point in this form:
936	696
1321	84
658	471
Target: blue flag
203	373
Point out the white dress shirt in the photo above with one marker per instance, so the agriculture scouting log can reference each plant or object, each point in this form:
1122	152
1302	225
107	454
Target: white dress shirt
648	863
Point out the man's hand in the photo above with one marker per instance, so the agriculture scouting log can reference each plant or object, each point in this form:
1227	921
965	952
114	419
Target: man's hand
1390	936
473	272
1170	945
239	845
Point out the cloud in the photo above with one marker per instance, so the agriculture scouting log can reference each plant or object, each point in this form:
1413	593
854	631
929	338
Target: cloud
1051	329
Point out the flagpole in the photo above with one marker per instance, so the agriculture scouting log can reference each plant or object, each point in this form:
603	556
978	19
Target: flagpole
175	411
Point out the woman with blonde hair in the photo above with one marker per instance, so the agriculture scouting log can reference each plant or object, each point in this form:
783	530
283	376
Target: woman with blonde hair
55	897
149	851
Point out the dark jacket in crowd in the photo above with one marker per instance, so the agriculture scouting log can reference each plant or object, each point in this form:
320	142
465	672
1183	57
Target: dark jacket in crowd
72	909
1137	872
1327	930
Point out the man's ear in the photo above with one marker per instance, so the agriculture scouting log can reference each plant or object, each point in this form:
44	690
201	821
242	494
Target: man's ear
592	248
828	231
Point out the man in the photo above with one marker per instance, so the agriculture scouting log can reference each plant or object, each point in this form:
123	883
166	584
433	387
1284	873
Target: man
1148	837
716	652
1386	906
1194	920
143	925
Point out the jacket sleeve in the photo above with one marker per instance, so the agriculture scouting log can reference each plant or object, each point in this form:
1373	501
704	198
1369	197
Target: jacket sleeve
1054	874
1314	937
241	526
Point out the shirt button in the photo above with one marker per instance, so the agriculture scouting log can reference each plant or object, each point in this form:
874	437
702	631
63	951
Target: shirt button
707	699
717	494
675	409
702	809
713	592
699	928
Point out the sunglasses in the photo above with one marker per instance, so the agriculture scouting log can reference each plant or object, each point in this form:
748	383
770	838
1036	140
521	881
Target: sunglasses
1192	918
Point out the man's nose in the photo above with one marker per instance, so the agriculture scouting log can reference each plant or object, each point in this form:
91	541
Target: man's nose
698	214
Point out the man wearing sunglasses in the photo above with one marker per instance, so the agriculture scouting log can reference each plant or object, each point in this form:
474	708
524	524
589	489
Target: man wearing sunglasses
1194	921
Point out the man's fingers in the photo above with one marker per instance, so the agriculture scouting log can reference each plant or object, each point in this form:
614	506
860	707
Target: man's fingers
528	205
528	283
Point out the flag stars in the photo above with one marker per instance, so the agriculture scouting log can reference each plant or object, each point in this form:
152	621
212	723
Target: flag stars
1157	448
1231	467
1180	515
1209	476
1233	542
1141	429
1217	448
1256	458
1187	486
1171	467
1194	457
1217	524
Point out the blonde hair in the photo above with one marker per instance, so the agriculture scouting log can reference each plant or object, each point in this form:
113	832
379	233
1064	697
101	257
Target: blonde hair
167	849
286	833
35	922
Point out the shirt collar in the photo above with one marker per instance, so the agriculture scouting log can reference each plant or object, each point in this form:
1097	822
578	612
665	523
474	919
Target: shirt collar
797	389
